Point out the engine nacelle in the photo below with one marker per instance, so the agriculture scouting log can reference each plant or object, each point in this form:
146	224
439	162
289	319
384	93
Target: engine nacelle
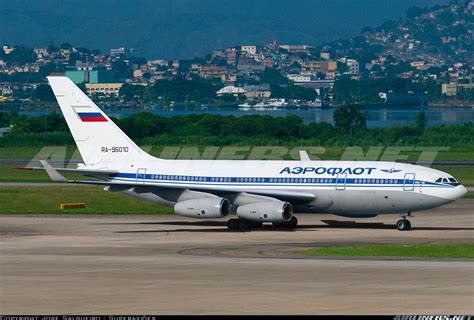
272	211
205	208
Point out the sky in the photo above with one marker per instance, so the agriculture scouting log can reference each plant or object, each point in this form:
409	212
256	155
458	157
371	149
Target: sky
179	29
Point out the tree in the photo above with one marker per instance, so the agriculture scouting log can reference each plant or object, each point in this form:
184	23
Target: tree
50	67
20	55
146	75
123	69
273	77
421	120
350	119
44	93
83	87
74	57
130	92
182	90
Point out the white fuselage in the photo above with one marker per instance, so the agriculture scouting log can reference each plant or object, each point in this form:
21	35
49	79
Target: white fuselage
350	188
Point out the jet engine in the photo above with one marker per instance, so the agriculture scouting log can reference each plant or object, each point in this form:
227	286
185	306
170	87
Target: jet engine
204	208
272	211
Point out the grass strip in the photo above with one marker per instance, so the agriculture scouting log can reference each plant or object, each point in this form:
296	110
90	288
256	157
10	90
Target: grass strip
438	251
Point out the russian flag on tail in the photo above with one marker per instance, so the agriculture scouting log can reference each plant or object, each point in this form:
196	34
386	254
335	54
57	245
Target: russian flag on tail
91	117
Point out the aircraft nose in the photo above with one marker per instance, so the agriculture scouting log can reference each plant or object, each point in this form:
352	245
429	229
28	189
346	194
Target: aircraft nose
457	192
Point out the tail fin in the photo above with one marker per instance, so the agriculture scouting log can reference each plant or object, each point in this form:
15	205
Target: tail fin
98	139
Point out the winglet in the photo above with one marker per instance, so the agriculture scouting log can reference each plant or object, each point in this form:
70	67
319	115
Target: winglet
304	156
52	173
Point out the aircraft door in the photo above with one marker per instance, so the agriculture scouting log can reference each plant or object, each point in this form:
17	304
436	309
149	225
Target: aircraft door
409	182
141	175
341	181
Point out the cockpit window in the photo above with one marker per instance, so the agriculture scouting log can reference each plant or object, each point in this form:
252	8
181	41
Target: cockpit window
450	181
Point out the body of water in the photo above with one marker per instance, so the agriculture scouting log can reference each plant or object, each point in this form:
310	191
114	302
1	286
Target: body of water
382	116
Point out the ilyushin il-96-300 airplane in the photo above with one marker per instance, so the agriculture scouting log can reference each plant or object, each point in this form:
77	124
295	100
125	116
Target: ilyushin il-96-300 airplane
256	191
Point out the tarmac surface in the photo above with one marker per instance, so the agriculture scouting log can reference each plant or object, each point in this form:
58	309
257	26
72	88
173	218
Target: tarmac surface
171	265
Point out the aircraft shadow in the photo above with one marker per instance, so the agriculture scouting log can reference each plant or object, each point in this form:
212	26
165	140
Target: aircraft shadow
334	224
328	224
176	231
171	223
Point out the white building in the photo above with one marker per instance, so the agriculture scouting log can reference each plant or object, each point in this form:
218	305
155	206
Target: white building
353	66
127	52
249	49
299	78
41	51
256	92
324	55
7	49
107	89
231	90
296	48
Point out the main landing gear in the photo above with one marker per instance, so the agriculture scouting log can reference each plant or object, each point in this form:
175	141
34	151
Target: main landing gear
242	225
404	224
246	225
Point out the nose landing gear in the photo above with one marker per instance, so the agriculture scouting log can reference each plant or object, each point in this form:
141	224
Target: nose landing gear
404	224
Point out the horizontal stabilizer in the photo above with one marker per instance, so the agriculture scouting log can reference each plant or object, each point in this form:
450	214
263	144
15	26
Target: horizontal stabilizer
87	172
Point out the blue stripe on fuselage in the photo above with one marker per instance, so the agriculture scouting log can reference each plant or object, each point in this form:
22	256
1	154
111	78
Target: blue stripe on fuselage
261	181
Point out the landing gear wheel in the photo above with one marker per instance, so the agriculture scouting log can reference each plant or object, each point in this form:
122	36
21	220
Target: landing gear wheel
233	224
292	223
258	225
403	225
245	225
408	227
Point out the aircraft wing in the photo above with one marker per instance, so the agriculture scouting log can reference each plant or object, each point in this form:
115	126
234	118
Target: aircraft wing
284	195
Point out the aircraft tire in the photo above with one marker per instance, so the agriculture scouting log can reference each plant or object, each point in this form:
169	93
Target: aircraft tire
245	225
258	225
233	224
292	223
403	225
408	226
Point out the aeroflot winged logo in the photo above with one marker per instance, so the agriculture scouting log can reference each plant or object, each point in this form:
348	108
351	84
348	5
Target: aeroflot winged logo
91	117
390	170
